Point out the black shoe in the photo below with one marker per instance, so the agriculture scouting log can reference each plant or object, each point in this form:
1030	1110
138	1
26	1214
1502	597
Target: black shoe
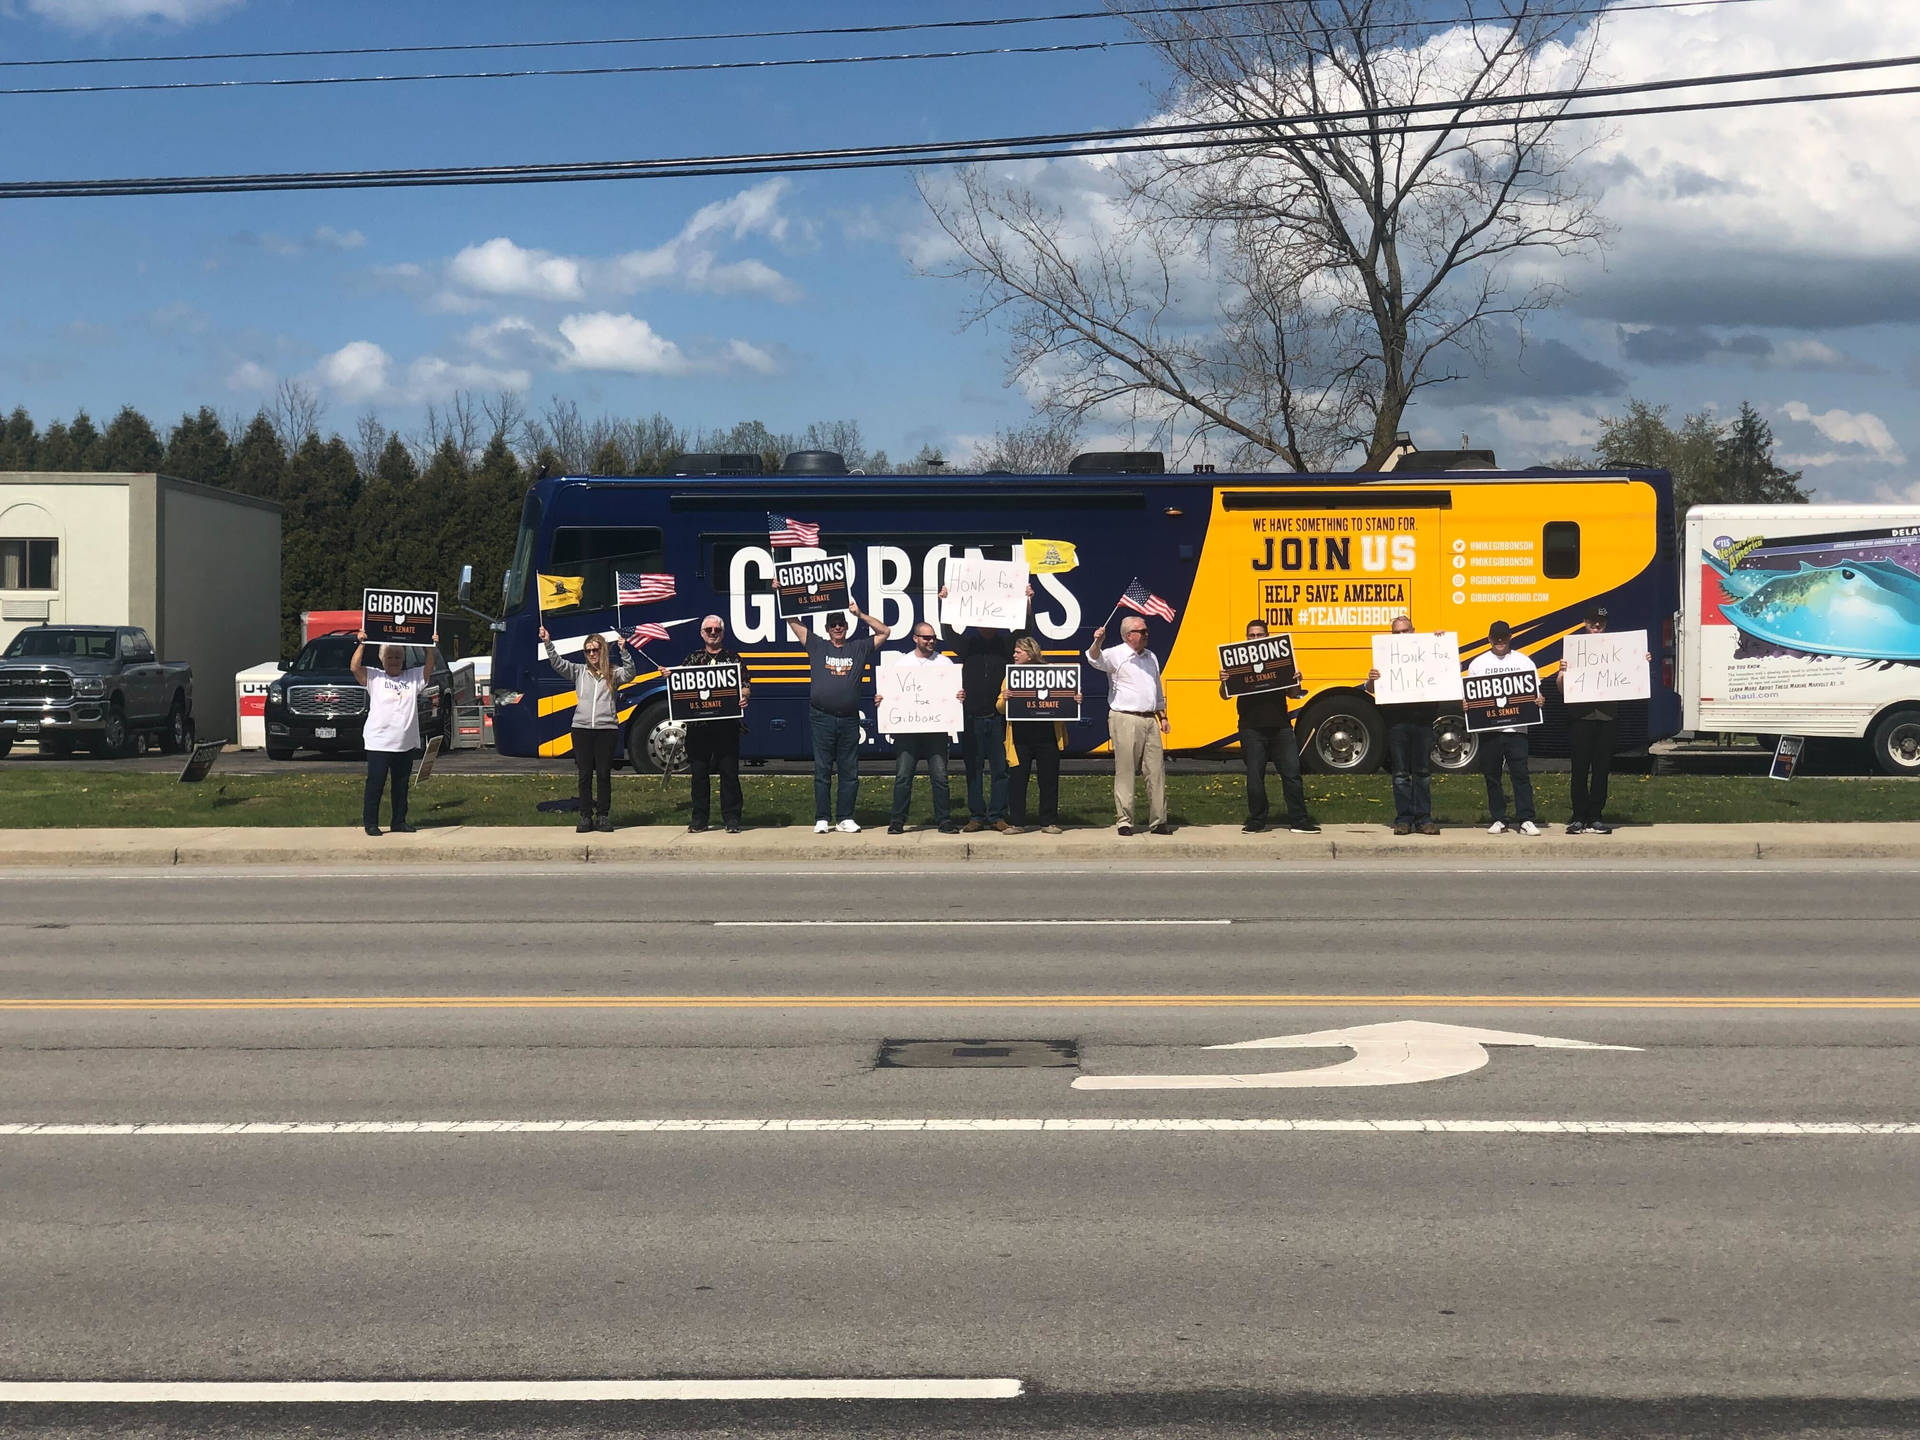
698	827
585	827
949	828
1599	827
604	824
1161	829
1253	827
1576	827
1304	827
400	827
373	829
733	827
896	829
1126	829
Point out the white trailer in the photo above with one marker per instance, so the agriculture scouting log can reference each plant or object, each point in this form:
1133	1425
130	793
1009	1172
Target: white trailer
1804	620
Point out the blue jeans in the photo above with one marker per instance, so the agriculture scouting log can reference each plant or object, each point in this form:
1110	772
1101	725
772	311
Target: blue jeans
908	752
984	742
380	765
1277	743
1508	747
1410	752
836	745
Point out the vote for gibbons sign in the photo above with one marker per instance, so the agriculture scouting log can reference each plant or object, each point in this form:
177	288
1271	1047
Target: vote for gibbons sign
704	692
1043	692
1256	666
400	617
806	587
1494	702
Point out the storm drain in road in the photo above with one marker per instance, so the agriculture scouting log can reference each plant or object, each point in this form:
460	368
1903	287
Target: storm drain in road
975	1054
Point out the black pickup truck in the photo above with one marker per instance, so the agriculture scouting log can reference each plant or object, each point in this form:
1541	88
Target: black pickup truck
95	685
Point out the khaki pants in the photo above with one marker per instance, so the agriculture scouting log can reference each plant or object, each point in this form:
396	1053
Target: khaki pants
1137	747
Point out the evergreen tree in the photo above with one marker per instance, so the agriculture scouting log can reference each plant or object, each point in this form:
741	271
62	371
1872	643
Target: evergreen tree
610	459
1744	470
396	465
19	441
321	486
198	449
129	445
259	465
498	488
56	451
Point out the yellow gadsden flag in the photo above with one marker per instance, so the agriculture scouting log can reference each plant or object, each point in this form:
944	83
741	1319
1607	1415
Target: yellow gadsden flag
562	592
1050	557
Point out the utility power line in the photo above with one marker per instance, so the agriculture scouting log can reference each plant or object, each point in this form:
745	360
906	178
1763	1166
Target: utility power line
1241	134
792	62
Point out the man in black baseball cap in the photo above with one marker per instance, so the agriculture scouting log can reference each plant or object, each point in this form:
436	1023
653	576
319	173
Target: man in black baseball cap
1590	741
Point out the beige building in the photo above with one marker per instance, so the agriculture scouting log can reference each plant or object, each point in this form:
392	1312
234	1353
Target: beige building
199	568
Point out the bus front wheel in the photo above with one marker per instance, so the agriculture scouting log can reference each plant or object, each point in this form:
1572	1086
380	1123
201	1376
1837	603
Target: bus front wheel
1343	735
655	744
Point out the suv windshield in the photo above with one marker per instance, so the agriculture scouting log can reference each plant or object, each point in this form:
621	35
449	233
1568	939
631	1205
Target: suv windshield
61	645
331	653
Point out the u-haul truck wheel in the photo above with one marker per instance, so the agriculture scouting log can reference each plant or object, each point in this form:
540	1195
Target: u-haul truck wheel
1896	743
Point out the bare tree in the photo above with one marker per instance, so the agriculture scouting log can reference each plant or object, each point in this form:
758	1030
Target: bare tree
506	413
369	442
295	411
1043	447
1294	291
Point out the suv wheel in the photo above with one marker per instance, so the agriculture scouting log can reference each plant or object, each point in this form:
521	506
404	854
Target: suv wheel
279	752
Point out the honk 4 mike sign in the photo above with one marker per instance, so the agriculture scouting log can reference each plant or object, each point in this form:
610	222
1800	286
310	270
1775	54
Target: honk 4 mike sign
704	692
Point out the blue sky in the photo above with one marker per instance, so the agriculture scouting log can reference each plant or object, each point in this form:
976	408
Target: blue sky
1767	256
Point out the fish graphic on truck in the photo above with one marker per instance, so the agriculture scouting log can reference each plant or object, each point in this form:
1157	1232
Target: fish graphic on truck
1867	610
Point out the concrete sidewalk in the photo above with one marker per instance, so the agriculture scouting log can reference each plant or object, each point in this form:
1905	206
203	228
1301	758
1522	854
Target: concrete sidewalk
262	845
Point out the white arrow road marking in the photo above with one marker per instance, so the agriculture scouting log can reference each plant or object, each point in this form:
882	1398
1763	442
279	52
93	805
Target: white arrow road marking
362	1392
1397	1052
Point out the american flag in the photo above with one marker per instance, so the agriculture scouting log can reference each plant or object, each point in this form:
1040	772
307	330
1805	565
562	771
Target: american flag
642	589
1138	597
643	633
785	531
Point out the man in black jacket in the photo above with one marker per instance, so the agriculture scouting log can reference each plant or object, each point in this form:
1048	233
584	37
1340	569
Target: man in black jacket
713	746
1266	733
984	656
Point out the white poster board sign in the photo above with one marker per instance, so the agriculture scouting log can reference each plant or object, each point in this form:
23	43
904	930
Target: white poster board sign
919	699
1417	667
1609	666
991	594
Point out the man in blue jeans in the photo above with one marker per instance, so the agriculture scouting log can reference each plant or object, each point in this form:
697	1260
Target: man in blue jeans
1409	753
838	670
915	748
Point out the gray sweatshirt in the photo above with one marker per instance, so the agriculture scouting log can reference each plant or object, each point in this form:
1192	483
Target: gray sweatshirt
596	706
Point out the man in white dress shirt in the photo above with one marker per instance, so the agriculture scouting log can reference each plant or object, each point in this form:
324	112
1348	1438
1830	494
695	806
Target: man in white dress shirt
1136	719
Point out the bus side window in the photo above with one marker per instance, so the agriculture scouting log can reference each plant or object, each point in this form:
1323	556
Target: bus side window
598	552
1560	550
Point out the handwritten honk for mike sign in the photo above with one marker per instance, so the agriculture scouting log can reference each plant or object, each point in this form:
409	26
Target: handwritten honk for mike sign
704	692
1415	667
991	594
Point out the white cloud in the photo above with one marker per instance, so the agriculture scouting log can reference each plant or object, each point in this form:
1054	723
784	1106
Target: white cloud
325	237
626	343
100	14
250	375
1862	430
432	378
747	356
358	370
500	267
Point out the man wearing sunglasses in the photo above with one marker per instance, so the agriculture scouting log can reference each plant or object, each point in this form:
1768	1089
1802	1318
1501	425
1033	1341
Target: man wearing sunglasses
929	748
713	746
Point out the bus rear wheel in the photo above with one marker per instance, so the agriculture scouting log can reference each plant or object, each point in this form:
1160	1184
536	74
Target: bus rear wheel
1342	735
655	744
1455	748
1896	743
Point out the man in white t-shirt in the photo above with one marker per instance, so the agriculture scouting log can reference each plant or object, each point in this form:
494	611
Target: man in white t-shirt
1509	745
391	736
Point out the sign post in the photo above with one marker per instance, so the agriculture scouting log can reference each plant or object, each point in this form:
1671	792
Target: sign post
1786	757
200	761
1256	666
806	587
427	756
704	692
400	617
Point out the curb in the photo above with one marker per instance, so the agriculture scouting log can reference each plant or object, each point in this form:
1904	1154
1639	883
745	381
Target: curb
230	846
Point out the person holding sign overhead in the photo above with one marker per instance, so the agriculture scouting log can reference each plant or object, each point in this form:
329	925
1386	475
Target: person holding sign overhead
1409	751
838	666
391	737
713	746
913	749
1507	745
983	653
1136	719
596	721
1267	733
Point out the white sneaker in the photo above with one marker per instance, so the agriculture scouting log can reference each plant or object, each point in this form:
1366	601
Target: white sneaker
848	827
1527	827
1498	827
820	827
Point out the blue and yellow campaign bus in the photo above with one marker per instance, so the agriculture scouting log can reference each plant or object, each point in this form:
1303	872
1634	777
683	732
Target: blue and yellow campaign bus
1329	559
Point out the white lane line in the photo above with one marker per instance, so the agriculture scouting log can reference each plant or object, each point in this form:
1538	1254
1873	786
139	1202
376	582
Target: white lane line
946	1126
951	924
360	1392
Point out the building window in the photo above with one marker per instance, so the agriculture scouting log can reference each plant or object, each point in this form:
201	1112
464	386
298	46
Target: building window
29	564
1560	550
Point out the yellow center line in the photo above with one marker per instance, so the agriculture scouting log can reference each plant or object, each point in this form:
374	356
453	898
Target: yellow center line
969	1002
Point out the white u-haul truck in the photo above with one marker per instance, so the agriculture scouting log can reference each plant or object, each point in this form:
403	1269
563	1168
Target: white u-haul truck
1804	620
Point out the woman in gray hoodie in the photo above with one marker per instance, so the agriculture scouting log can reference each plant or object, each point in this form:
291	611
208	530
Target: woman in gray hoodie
596	721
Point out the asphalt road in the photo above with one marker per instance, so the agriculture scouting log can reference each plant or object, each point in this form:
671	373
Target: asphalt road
1565	1264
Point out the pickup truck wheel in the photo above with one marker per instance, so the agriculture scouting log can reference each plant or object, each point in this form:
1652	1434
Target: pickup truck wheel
115	739
58	747
278	752
179	732
6	744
